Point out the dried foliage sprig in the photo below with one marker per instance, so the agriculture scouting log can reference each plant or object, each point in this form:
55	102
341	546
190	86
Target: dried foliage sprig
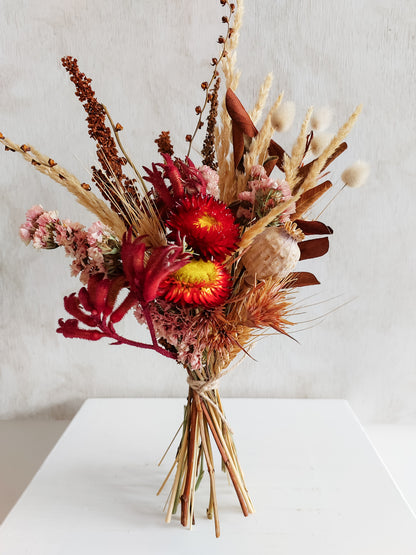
206	85
208	149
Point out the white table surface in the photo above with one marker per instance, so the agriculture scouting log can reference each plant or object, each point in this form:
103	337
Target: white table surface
316	482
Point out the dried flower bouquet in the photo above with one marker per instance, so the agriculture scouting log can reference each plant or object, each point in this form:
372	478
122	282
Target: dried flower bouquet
204	255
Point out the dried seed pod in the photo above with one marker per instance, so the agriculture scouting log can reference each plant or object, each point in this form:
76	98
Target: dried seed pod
273	253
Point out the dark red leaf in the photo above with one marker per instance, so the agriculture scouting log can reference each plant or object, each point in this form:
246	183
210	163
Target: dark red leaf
313	227
313	248
302	279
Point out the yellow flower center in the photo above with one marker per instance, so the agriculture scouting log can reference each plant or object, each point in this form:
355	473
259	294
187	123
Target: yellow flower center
197	271
206	220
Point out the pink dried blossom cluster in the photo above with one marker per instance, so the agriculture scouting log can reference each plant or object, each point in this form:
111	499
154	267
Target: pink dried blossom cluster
264	194
211	177
93	251
177	326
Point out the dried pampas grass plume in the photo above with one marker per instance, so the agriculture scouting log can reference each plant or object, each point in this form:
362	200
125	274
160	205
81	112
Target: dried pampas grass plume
283	116
321	119
356	175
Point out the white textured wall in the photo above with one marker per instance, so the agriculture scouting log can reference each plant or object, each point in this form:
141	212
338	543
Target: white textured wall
147	59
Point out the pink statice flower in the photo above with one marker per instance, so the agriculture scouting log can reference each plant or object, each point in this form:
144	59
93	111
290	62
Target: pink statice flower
43	236
174	325
211	177
94	251
27	229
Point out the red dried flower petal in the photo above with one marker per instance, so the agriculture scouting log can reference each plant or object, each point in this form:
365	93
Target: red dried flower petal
199	282
207	225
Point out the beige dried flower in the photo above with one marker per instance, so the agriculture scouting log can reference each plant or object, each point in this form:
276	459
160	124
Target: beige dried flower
321	118
283	117
273	253
356	175
320	141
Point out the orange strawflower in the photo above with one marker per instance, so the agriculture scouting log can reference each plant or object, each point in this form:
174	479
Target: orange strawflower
199	282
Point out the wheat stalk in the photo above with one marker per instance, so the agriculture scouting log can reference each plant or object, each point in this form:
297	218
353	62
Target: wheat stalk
255	114
258	147
319	163
228	63
59	174
291	164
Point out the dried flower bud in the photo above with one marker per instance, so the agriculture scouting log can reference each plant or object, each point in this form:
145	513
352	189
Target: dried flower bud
283	116
221	39
209	97
35	163
224	54
119	127
223	2
214	61
230	32
200	124
232	8
51	162
321	118
204	85
85	186
1	135
8	148
224	19
356	175
188	138
25	148
198	109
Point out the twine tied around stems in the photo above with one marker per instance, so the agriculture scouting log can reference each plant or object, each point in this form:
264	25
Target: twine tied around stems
202	387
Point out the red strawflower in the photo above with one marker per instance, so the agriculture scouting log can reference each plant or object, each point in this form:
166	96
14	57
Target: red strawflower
207	225
199	282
